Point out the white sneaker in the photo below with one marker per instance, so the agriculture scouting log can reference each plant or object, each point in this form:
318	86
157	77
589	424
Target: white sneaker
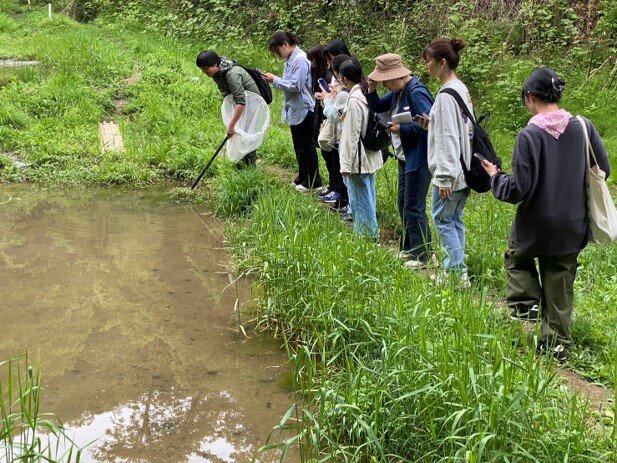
414	264
422	265
302	189
442	278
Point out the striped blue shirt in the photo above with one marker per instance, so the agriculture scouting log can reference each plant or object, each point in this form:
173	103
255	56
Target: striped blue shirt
296	85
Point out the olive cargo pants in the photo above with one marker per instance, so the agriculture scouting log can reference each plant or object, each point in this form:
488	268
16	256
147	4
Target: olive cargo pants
552	288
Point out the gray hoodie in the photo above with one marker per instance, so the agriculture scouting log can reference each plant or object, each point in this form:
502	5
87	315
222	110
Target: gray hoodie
449	136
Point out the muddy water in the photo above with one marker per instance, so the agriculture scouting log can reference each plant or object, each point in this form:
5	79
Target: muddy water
124	299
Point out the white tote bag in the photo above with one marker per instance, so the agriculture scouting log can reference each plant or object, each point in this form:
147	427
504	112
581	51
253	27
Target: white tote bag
600	206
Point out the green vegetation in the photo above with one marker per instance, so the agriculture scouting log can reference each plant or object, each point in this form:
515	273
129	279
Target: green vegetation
26	434
391	365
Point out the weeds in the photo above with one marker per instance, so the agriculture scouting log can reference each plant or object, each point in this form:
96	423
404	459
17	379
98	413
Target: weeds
26	434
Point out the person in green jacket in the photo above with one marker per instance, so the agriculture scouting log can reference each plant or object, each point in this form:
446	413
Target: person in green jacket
230	79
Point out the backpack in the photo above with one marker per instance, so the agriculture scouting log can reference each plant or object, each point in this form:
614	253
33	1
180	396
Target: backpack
376	137
264	89
476	177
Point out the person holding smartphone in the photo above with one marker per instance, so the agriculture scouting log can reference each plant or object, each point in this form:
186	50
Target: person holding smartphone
406	95
551	224
334	99
298	109
358	164
449	141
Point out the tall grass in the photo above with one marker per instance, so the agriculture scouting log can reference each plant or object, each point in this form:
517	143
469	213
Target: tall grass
394	368
26	434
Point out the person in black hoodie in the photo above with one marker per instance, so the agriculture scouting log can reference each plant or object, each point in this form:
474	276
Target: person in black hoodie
551	224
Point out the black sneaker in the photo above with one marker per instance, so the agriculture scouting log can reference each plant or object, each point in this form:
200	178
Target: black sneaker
559	352
324	193
526	314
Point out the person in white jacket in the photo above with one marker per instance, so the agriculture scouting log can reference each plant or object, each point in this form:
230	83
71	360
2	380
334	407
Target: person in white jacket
358	165
449	140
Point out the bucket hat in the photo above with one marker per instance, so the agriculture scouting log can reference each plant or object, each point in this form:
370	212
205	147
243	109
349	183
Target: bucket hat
387	67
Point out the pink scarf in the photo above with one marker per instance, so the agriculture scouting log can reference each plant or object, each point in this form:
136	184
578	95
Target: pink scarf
553	123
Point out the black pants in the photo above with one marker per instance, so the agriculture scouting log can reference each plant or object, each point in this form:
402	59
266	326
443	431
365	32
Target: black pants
306	154
333	164
412	190
250	160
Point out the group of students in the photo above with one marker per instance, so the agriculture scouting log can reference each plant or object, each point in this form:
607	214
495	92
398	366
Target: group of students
548	167
339	117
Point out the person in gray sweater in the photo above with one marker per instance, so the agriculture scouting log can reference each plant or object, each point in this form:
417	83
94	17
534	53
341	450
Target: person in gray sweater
449	133
551	224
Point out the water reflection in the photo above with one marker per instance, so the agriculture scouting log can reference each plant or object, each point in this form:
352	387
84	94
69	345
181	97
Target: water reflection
161	427
124	299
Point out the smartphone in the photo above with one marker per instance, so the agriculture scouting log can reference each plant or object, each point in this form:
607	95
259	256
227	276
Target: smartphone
324	85
419	118
479	156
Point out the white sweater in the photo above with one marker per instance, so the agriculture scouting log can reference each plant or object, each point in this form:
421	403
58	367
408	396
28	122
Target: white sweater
449	134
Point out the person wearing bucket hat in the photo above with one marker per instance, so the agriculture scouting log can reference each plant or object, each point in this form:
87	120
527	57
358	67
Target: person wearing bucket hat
406	95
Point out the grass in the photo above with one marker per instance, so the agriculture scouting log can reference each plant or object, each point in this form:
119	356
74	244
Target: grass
25	432
396	369
393	367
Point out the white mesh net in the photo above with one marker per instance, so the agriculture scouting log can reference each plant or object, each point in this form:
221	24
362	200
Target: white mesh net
250	129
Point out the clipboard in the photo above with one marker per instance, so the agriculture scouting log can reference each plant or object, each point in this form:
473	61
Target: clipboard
402	118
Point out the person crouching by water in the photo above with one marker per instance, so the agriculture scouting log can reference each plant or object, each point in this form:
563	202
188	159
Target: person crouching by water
551	223
358	165
406	95
298	109
230	79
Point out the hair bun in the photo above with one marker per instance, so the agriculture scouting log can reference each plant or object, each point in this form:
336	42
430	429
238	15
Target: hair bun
458	44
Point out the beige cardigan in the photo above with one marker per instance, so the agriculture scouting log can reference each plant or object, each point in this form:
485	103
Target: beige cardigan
353	123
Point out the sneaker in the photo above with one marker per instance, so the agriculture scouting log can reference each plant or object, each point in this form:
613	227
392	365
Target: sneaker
324	193
338	206
441	278
465	281
301	188
415	264
526	314
405	255
559	352
296	181
331	198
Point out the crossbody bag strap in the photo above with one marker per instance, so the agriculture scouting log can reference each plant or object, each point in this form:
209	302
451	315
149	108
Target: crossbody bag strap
454	94
590	152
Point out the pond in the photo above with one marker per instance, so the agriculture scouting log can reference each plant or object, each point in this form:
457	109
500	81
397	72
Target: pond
125	300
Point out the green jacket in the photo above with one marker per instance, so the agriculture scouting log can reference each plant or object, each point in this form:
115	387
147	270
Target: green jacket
233	79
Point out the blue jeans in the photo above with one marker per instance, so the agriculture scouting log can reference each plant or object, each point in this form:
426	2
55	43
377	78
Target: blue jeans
448	217
363	201
412	190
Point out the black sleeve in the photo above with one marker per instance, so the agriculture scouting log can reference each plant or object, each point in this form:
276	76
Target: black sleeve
513	188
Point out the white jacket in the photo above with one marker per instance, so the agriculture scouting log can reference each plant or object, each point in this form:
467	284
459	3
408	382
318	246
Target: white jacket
353	124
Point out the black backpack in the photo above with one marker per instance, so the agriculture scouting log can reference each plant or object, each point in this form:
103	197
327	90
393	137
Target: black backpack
476	177
262	85
377	137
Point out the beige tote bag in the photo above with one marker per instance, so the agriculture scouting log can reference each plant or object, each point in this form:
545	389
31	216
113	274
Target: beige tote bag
600	206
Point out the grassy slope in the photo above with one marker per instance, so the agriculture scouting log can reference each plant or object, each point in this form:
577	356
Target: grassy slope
170	123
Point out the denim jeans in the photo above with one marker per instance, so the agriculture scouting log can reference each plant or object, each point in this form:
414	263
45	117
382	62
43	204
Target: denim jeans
448	218
412	190
363	201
